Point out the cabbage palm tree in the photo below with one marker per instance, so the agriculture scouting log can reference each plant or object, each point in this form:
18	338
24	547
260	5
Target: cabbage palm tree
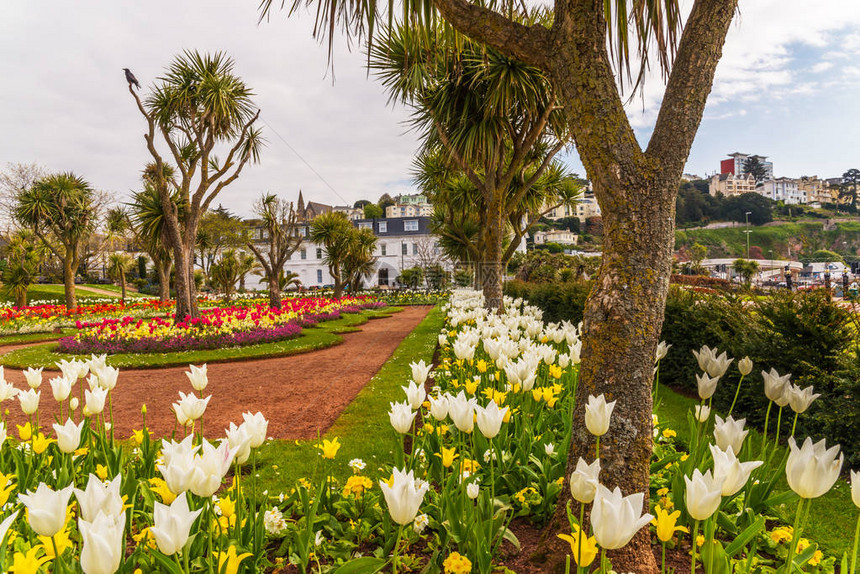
59	209
119	264
591	52
359	260
224	273
281	234
199	106
24	254
248	264
332	231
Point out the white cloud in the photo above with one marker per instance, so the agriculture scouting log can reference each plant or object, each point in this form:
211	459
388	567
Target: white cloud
821	67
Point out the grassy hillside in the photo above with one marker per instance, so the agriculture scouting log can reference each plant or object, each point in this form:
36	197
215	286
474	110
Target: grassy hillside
801	237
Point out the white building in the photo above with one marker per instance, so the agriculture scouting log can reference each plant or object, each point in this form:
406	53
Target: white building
560	236
729	184
409	210
783	189
584	208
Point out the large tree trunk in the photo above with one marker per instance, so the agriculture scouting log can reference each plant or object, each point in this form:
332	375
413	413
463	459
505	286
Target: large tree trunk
21	298
491	267
122	284
69	282
183	282
274	292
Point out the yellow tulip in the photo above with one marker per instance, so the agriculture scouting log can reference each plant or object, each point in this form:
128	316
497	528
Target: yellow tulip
588	548
137	435
231	559
665	523
448	455
40	443
481	365
28	563
25	432
6	487
101	471
227	506
555	371
537	394
61	538
159	486
329	448
471	386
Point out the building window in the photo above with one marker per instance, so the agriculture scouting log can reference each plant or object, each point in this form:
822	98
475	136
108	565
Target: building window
365	226
383	227
382	249
404	249
319	276
410	225
319	252
414	249
304	253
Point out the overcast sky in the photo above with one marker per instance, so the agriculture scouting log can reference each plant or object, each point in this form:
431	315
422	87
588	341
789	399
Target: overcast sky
787	87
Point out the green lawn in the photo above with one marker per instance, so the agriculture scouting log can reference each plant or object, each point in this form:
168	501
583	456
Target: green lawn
833	516
363	428
325	334
56	293
34	337
129	294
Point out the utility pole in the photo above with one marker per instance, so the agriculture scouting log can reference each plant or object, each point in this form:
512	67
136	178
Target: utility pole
748	231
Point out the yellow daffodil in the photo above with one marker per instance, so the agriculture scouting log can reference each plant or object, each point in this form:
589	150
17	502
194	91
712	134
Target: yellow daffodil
469	465
231	559
25	432
456	563
588	549
447	455
28	563
665	523
329	448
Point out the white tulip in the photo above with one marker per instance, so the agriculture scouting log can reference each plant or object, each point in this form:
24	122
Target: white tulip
46	508
734	472
703	494
99	497
258	427
597	414
68	436
662	350
210	466
855	488
707	385
774	384
718	365
240	442
704	356
616	518
549	449
7	391
812	469
702	413
74	403
401	416
29	401
745	366
94	401
32	376
103	543
490	418
473	489
172	526
190	407
463	350
6	524
2	437
462	410
404	496
439	407
800	399
420	371
61	388
178	464
584	480
107	377
729	433
415	395
198	377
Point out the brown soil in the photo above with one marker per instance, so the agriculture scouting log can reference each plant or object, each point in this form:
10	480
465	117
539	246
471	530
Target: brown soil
300	395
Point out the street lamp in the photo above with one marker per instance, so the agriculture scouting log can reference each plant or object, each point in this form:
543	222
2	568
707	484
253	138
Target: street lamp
748	231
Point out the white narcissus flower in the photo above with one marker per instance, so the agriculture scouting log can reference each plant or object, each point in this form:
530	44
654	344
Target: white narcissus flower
46	508
210	466
719	364
68	436
240	441
703	494
706	385
198	377
774	384
490	418
107	377
403	496
734	472
401	416
173	525
273	521
439	407
99	497
729	433
745	366
616	518
800	399
584	480
258	427
597	414
702	413
29	401
61	388
415	395
94	400
855	489
462	411
812	469
7	391
662	350
103	543
420	371
32	376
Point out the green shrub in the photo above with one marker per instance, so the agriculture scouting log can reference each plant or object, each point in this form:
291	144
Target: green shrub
559	301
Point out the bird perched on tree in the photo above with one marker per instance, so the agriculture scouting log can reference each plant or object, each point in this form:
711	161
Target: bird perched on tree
129	77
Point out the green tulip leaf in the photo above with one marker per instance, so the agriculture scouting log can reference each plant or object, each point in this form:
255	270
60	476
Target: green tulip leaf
363	565
745	537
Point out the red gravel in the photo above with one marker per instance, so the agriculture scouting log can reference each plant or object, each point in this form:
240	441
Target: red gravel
300	395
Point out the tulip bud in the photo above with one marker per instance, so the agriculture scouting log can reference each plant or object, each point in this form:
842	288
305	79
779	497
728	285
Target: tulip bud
855	489
745	366
472	490
597	415
584	480
703	494
702	413
74	403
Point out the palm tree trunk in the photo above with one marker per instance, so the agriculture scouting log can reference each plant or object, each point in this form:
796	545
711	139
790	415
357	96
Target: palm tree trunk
183	283
163	268
122	284
21	298
491	267
274	292
69	282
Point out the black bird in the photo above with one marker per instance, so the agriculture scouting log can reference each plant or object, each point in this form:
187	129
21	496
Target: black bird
129	77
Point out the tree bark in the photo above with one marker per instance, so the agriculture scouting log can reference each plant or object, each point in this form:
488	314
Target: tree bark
491	267
163	268
274	292
182	257
69	282
122	284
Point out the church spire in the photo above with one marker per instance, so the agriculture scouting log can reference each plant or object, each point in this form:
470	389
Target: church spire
300	207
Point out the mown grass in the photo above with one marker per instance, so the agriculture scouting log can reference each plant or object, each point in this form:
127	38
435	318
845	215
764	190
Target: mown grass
129	294
325	334
34	337
832	517
56	294
363	428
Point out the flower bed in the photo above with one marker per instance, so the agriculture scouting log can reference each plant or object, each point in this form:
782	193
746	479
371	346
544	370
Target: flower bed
216	328
49	317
